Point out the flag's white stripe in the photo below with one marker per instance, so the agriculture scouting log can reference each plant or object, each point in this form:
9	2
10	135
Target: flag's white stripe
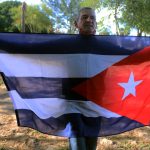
56	65
55	107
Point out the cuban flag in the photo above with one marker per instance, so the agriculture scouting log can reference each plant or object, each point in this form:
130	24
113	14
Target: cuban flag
77	86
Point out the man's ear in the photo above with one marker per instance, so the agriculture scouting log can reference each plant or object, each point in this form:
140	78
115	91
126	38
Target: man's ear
76	24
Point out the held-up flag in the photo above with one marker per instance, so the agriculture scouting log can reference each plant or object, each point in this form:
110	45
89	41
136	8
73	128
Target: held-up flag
74	86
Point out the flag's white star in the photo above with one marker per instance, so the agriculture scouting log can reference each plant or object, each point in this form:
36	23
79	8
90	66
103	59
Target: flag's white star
129	87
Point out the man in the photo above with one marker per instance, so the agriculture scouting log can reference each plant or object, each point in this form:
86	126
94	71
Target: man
86	21
86	25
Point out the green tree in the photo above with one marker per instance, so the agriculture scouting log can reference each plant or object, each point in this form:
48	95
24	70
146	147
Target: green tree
95	4
65	11
63	14
129	14
102	28
36	19
115	8
6	17
136	15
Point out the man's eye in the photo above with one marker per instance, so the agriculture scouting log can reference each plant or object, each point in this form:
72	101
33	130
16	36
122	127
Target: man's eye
84	17
92	17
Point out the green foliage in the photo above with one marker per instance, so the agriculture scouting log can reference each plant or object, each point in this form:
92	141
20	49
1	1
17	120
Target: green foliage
6	17
115	8
36	19
65	11
102	29
95	4
59	16
136	14
63	14
129	14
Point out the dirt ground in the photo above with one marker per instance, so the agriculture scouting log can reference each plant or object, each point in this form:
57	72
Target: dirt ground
13	137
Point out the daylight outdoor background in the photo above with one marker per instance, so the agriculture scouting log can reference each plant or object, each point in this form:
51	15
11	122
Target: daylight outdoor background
114	17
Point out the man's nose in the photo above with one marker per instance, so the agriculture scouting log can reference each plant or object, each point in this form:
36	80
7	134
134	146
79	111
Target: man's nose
89	19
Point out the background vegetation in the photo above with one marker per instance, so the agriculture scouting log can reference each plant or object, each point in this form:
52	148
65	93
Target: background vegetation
55	16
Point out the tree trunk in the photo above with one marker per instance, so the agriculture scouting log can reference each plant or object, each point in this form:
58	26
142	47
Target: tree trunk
116	19
23	17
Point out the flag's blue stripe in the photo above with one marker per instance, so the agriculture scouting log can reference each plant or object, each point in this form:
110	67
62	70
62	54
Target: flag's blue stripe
71	44
40	87
79	124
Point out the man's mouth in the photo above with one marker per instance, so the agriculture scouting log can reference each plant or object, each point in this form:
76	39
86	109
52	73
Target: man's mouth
88	25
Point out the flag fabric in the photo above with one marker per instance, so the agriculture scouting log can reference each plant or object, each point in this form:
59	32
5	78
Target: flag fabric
77	86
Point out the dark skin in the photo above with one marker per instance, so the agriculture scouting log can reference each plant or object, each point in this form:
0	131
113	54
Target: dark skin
86	22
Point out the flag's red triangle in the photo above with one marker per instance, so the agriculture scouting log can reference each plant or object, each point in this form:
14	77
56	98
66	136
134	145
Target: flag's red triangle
104	90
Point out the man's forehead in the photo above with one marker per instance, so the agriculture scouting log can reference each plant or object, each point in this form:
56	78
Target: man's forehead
89	12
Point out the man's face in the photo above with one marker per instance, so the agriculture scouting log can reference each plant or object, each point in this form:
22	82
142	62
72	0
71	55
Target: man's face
86	22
